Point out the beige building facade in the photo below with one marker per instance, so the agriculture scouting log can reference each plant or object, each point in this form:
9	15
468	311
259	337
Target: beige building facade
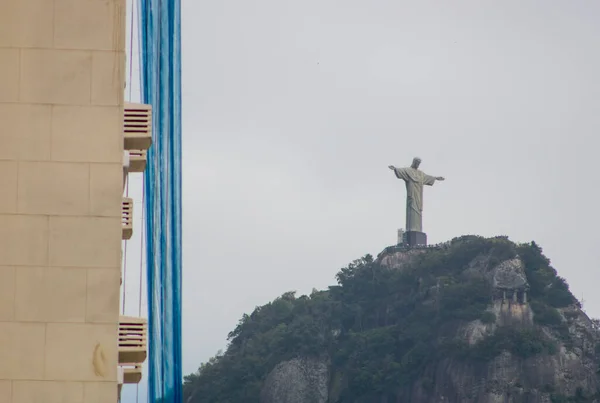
62	65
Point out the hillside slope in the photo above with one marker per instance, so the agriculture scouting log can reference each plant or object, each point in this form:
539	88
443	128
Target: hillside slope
473	320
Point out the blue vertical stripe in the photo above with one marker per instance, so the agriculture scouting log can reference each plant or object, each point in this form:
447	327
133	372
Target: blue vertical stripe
160	40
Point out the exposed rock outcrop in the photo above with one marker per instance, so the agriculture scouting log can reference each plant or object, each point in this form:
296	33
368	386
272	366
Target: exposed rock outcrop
303	380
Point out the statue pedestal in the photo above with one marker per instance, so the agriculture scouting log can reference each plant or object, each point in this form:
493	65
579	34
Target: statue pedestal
415	238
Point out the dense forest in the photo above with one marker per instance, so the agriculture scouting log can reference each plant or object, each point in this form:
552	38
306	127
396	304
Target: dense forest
381	328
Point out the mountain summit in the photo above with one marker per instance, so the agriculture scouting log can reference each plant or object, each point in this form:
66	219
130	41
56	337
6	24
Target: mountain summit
473	320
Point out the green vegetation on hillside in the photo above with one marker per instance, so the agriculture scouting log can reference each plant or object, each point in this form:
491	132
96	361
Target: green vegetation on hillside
382	328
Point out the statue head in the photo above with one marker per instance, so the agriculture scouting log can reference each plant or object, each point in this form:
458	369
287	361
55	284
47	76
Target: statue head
416	162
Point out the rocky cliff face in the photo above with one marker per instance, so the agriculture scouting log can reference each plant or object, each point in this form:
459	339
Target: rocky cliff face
298	381
565	374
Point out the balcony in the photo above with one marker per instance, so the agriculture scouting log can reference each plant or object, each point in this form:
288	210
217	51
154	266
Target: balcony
127	218
137	126
132	342
137	160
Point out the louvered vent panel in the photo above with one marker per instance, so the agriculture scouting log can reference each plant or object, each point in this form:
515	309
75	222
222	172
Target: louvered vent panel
132	340
137	126
127	217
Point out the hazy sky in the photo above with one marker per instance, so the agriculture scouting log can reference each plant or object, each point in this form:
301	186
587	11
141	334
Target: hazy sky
294	109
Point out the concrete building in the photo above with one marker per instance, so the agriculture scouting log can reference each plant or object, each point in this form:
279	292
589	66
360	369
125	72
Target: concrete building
62	212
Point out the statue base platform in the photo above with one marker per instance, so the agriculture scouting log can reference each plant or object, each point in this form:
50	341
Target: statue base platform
415	238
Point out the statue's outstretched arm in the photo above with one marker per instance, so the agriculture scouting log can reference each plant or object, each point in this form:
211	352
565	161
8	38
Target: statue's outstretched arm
400	173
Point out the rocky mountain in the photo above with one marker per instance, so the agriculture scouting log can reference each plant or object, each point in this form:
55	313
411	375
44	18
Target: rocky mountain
473	320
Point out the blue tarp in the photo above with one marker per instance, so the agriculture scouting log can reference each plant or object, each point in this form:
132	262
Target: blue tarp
160	52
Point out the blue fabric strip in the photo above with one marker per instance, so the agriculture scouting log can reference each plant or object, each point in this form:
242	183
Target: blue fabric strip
160	40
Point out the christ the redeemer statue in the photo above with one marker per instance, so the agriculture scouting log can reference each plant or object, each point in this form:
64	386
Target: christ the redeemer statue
415	180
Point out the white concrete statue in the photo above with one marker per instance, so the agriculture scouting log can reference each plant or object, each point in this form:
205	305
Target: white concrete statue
415	180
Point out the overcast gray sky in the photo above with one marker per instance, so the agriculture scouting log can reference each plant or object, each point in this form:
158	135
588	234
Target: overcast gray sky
294	109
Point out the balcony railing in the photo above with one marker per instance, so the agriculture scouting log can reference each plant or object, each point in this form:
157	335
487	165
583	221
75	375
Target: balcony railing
127	218
132	340
137	126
